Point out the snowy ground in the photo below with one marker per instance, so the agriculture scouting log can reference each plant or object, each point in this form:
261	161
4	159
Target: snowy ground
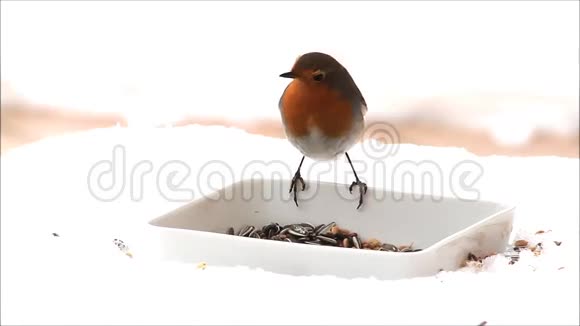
81	277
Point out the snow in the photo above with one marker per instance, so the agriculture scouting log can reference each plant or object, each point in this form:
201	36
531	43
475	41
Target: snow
81	276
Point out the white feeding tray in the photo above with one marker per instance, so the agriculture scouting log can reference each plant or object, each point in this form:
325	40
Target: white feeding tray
446	230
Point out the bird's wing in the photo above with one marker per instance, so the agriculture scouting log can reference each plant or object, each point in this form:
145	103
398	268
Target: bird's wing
360	97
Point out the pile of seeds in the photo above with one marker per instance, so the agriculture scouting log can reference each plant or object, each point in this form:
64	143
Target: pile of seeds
321	235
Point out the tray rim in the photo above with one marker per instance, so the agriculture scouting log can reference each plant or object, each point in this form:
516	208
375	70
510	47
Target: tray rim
506	208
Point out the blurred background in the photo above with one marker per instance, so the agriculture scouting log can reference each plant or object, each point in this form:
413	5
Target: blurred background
493	77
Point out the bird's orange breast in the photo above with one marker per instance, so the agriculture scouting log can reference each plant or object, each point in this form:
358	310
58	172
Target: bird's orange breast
304	106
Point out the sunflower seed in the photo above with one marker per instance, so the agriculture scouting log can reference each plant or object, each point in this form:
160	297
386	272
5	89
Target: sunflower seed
319	228
326	228
255	234
346	243
298	230
355	241
389	247
406	248
327	239
230	231
266	228
244	232
271	229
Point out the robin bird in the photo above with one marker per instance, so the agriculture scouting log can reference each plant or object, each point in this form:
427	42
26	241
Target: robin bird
322	111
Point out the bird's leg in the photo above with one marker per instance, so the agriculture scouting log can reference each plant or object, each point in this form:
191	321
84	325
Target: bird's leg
362	187
297	178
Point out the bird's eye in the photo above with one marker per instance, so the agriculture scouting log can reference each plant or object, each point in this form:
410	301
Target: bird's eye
318	75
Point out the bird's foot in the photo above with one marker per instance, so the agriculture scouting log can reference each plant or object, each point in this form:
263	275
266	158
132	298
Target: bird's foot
362	187
294	185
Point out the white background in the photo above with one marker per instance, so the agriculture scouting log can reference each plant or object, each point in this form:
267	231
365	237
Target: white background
510	66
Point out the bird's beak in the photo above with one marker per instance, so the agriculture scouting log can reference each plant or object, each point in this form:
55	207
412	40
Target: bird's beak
289	74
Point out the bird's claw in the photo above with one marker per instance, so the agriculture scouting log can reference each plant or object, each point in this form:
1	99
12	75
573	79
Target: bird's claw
293	185
362	187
